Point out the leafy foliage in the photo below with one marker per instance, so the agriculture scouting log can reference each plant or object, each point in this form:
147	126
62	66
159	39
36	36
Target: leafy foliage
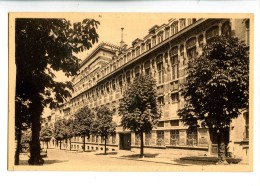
46	134
104	125
138	108
83	121
42	47
217	88
59	132
217	85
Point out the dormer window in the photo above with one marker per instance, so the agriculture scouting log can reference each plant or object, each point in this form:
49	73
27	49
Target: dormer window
174	27
148	44
160	37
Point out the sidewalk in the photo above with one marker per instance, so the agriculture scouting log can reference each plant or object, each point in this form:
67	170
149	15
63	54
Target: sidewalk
173	158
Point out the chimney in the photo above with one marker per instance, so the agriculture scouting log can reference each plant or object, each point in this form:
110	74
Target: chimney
122	43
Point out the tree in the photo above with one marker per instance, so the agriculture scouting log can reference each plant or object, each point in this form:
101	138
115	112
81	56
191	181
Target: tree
83	123
22	123
46	135
104	125
59	131
69	130
43	47
138	107
217	88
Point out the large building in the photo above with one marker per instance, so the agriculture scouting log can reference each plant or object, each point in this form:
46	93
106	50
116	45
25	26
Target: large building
163	54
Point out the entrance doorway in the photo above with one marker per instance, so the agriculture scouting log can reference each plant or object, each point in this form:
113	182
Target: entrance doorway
125	141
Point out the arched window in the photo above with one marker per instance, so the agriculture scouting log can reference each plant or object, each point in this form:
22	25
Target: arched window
160	36
148	44
226	29
159	61
174	63
174	27
212	32
147	68
191	49
137	71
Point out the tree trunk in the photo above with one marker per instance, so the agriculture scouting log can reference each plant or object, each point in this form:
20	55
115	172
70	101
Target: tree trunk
60	144
47	144
105	145
221	148
35	146
141	144
84	143
70	143
18	145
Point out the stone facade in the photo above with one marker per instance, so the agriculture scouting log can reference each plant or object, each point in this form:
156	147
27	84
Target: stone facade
163	54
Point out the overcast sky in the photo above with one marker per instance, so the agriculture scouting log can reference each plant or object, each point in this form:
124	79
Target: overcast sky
135	26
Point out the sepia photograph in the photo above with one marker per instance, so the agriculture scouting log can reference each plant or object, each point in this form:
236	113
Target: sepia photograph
150	92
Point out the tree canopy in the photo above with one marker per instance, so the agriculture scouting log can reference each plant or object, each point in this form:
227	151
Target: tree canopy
104	125
217	85
46	133
138	108
43	46
83	123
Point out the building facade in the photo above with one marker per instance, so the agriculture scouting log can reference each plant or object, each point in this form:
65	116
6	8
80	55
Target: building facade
163	54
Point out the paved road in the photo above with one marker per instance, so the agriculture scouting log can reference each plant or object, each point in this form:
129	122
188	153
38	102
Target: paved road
123	161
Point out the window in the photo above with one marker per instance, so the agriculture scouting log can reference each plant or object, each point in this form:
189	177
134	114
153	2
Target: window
142	47
174	27
167	33
161	100
174	123
114	84
137	139
114	66
175	63
133	54
137	51
192	53
200	40
148	138
93	138
192	138
113	139
182	50
191	49
174	137
107	87
129	56
175	97
182	23
120	82
226	29
160	138
147	68
159	62
160	37
212	32
160	124
137	71
154	41
128	79
148	44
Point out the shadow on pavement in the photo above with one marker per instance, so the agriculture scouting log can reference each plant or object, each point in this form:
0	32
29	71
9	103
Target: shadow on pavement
204	160
108	153
135	156
46	162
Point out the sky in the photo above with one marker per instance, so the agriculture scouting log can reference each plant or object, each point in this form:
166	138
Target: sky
136	25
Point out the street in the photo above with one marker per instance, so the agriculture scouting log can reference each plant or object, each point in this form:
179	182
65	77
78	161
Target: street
63	160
